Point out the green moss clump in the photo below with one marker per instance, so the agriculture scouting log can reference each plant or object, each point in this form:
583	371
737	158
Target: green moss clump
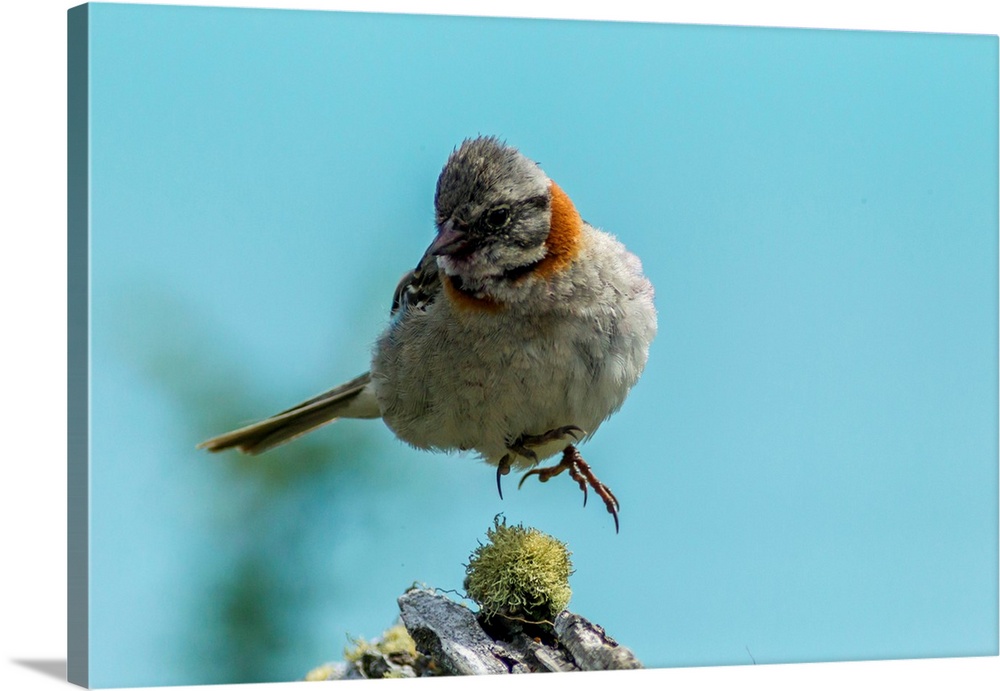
521	574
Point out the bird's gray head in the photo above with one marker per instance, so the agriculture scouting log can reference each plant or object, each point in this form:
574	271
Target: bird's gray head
492	210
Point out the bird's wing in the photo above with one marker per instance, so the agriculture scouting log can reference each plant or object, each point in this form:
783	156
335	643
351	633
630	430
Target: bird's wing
418	288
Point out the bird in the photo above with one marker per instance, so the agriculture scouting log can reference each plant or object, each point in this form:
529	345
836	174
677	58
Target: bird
521	329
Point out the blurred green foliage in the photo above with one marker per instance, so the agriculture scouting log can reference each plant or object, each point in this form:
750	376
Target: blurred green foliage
256	593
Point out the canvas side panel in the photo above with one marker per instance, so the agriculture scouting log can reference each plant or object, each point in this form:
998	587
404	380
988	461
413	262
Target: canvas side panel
78	385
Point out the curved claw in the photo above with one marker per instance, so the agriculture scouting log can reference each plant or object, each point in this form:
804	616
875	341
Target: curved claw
536	471
503	467
574	472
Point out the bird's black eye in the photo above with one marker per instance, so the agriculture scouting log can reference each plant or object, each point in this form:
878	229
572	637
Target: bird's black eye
497	218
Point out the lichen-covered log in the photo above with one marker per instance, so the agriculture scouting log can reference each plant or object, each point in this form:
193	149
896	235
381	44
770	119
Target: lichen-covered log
450	639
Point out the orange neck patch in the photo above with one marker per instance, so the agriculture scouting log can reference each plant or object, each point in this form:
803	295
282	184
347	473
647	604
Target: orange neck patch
464	300
563	242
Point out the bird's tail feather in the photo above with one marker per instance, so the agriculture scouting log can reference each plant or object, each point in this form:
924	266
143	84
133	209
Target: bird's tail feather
352	399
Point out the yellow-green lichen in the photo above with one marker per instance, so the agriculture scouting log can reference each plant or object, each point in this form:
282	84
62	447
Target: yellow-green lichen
521	573
394	641
391	655
321	673
397	641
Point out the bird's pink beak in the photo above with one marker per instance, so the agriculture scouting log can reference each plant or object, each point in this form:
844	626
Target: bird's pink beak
449	241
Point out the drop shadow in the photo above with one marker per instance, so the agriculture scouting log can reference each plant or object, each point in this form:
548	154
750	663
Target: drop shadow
49	667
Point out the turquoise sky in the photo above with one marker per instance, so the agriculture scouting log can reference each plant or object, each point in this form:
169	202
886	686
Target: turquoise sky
807	469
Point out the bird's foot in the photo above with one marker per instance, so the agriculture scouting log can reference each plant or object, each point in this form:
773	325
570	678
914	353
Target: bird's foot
580	471
526	443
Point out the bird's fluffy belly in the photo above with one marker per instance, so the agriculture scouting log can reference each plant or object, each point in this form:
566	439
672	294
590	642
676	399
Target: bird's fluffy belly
494	395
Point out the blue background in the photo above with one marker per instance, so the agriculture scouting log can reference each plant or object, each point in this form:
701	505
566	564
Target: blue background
808	467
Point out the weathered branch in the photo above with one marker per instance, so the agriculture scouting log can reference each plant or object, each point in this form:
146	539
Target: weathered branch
452	640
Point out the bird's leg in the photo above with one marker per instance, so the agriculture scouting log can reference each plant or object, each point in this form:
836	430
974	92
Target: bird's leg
580	471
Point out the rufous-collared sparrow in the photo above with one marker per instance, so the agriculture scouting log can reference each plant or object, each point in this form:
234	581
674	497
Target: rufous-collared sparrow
520	331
